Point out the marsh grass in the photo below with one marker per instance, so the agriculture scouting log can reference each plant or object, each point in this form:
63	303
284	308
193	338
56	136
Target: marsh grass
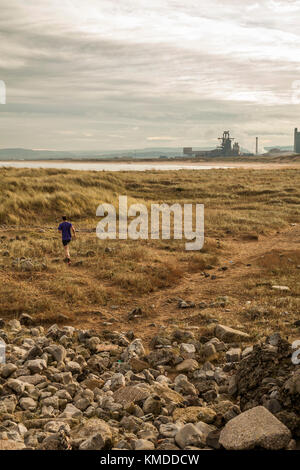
240	204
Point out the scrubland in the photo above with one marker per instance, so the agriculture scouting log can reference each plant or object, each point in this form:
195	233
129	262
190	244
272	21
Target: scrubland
252	233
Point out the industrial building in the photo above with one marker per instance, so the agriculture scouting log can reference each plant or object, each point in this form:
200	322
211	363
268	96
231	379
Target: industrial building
225	149
296	141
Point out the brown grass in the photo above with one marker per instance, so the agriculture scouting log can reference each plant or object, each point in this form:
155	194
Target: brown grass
244	210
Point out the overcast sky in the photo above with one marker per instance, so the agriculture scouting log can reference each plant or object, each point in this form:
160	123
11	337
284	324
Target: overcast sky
117	74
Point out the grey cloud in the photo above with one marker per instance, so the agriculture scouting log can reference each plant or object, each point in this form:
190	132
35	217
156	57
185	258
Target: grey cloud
61	76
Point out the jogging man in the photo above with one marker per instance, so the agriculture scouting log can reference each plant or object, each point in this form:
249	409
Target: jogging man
66	229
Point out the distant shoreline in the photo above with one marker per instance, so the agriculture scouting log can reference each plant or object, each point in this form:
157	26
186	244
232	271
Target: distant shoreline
148	165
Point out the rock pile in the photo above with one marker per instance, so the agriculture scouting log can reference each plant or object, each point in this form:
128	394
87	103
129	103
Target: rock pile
65	388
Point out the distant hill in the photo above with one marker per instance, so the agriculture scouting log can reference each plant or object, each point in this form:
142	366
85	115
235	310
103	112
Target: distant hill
144	153
29	154
286	148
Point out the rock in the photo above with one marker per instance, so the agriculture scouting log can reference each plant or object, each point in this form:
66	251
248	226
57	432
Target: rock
273	405
205	428
183	386
212	439
167	444
11	445
148	432
32	379
209	351
8	369
16	385
94	442
189	435
135	313
15	325
274	339
169	395
9	402
169	429
137	364
71	411
292	445
219	345
135	349
36	365
188	365
27	265
28	403
185	304
187	350
161	356
57	352
233	355
281	288
183	336
152	405
67	385
194	414
117	381
56	426
227	334
292	385
95	434
26	319
143	444
247	351
130	393
73	367
256	427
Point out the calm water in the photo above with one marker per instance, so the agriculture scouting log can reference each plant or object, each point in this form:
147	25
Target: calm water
109	166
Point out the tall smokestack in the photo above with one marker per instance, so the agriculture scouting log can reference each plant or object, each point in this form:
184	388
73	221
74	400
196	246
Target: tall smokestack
256	150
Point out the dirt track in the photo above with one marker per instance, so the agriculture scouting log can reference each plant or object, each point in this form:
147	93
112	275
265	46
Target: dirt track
161	307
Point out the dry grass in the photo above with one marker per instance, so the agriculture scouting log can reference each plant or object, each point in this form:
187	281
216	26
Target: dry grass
243	209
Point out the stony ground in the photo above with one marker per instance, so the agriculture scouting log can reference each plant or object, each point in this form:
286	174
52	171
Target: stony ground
67	388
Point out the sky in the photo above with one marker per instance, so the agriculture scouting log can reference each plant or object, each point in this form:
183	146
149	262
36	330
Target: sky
124	74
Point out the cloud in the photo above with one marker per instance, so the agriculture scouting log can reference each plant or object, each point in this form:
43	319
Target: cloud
89	73
163	138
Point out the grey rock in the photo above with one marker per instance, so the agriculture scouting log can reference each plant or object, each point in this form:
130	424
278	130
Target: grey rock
143	444
227	334
189	435
8	369
233	355
256	427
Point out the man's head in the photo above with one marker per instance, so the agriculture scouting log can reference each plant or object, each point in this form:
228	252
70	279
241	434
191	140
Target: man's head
64	217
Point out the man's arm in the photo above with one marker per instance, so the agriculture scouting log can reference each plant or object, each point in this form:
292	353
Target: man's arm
73	231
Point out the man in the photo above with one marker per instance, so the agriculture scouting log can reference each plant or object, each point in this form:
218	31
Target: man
66	229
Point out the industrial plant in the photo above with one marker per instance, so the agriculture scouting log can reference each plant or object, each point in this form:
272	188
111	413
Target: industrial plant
226	148
296	141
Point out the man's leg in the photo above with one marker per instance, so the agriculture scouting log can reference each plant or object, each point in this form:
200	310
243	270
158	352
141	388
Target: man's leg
67	252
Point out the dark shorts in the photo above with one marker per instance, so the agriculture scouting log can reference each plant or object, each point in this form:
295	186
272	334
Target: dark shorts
65	242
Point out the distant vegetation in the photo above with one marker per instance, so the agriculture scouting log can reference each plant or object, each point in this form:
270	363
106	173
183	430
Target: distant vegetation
242	201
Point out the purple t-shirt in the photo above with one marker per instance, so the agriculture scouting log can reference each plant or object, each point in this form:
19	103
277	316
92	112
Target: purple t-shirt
65	228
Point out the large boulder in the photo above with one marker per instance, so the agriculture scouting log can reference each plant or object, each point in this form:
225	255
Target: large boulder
256	427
